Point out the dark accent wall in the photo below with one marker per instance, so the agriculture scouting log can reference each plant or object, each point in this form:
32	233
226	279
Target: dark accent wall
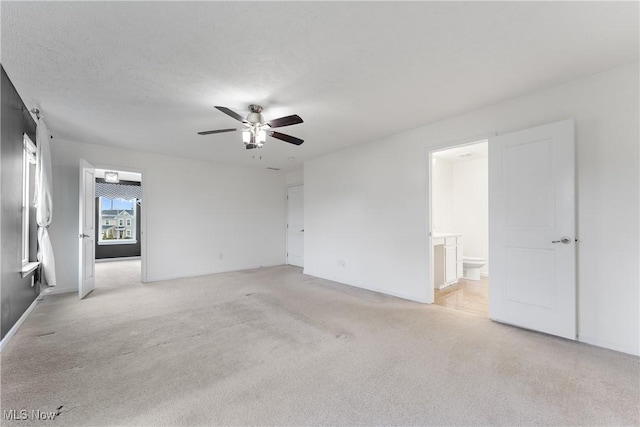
118	251
17	293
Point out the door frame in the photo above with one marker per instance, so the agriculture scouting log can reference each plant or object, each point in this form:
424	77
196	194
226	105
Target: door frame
286	255
143	217
430	291
83	168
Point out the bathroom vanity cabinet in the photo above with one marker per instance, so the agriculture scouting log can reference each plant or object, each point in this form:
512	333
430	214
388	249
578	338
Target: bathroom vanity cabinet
447	259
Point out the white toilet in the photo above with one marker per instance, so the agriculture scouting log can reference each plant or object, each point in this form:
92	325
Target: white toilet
471	267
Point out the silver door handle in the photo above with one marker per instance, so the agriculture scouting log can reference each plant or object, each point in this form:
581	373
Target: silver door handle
302	230
566	240
83	235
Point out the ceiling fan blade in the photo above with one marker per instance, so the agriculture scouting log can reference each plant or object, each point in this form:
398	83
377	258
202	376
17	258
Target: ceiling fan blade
209	132
284	137
232	113
285	121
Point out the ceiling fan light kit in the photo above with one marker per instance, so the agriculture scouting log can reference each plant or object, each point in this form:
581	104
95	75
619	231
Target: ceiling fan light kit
255	130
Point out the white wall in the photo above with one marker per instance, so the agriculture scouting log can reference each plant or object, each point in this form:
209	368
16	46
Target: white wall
368	206
194	211
470	210
295	177
442	218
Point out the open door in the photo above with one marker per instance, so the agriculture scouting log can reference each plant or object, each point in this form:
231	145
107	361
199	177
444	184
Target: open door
295	226
87	233
532	229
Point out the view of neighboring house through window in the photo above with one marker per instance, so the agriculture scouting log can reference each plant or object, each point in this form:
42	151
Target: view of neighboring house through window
117	221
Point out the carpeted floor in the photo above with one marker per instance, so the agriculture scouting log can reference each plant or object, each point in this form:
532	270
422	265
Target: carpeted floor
275	347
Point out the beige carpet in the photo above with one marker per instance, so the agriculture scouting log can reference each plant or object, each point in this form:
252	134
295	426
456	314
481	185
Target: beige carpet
274	347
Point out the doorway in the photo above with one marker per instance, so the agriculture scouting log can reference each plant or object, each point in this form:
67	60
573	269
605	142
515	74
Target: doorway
112	225
118	216
459	227
532	230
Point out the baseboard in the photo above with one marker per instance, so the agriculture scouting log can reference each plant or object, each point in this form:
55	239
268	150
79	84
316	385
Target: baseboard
55	290
17	325
372	289
128	258
206	273
444	286
607	344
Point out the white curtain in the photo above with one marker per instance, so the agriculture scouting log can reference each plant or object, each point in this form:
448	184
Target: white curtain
43	203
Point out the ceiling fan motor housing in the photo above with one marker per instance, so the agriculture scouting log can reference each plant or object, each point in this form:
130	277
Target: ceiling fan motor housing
254	116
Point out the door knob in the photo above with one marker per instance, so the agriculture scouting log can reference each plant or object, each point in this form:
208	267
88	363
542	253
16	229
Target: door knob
566	240
83	235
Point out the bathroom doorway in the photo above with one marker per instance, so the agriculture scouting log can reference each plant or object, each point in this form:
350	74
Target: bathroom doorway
459	230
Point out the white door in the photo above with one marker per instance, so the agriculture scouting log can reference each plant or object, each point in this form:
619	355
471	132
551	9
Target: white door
295	226
87	233
532	229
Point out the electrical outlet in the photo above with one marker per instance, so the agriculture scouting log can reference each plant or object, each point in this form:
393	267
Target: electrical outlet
220	256
342	263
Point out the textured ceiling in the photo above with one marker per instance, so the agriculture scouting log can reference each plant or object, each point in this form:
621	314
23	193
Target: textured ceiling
146	75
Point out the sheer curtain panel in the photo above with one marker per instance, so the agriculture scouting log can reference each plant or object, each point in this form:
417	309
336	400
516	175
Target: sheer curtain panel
44	204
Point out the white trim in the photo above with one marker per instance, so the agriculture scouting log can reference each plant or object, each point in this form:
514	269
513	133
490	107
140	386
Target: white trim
207	273
371	289
124	258
429	156
28	161
118	242
431	292
29	268
19	323
58	290
609	345
286	223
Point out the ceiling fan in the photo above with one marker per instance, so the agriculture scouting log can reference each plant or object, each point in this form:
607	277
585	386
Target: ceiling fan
255	130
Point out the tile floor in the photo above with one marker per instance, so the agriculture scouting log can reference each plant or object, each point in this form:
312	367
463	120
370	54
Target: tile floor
471	296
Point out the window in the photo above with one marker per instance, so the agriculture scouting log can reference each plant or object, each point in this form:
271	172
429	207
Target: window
114	211
28	191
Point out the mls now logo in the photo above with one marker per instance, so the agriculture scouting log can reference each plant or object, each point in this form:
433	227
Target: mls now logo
23	414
